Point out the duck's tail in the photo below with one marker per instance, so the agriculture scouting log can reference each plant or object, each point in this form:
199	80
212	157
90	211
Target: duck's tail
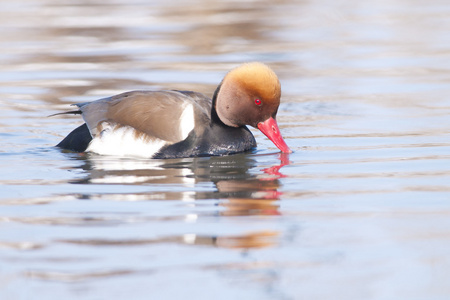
73	112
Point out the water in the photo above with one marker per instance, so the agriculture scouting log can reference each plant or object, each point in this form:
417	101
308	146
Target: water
360	210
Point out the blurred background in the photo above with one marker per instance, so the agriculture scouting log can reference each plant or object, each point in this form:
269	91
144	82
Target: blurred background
360	210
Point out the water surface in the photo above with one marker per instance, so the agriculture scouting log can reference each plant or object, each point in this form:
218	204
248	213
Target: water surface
360	210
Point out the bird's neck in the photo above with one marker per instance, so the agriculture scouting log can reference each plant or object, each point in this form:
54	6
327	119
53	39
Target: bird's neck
214	116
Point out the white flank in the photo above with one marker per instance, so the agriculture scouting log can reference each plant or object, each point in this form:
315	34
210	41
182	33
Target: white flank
123	142
187	121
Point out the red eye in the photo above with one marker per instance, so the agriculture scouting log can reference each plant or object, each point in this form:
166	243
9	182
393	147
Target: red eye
258	102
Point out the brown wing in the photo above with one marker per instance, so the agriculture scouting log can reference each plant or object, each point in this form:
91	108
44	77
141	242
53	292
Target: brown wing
157	114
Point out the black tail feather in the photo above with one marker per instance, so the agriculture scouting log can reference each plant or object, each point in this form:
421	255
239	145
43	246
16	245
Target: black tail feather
78	140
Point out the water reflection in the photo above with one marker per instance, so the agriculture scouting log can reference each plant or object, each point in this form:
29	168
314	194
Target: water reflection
252	240
240	187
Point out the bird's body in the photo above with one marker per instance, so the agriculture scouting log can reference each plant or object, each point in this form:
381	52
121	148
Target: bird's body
169	124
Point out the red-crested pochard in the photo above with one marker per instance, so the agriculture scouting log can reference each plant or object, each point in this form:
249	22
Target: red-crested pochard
170	124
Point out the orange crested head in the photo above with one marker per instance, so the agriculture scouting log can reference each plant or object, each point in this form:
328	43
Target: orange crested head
250	95
257	79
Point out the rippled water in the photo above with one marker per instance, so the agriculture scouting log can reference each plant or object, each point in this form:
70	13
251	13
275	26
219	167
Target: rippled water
360	210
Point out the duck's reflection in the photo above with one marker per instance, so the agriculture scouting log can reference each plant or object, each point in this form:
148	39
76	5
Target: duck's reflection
252	240
240	183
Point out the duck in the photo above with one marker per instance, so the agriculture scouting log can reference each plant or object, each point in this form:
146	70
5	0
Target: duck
178	124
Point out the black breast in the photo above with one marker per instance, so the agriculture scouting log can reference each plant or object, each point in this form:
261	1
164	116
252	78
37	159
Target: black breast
216	140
